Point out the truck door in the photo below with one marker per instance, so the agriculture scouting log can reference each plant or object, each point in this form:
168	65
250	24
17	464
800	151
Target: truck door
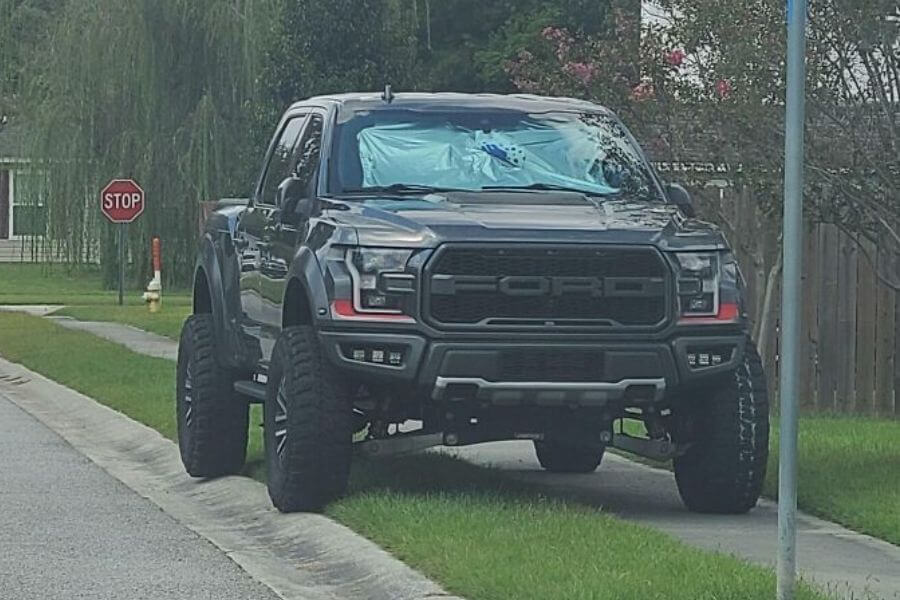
252	238
287	229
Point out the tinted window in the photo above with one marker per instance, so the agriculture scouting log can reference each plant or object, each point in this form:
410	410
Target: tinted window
280	164
309	152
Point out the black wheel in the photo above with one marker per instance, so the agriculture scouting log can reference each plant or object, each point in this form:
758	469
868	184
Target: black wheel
308	425
557	457
724	469
212	419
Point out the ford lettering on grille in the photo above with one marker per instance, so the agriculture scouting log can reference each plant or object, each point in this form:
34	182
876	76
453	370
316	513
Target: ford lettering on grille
540	286
535	285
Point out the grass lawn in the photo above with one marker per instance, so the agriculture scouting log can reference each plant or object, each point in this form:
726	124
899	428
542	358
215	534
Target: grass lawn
27	283
481	536
30	283
82	292
849	472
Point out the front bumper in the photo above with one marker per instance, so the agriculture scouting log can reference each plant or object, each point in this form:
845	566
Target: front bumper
636	372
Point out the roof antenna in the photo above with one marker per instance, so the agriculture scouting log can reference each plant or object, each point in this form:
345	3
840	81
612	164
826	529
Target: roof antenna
387	95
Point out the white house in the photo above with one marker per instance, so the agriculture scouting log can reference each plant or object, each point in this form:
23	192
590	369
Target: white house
18	220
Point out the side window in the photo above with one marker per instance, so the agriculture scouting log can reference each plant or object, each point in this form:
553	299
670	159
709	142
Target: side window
308	153
280	162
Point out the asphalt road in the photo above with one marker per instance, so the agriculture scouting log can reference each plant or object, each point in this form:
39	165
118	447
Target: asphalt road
69	530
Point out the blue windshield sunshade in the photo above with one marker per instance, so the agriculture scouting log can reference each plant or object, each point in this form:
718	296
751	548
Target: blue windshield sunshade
566	153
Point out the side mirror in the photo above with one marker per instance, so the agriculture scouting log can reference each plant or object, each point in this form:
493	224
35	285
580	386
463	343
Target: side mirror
304	208
681	198
294	200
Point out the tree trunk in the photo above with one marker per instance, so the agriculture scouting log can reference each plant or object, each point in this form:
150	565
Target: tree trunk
766	330
428	23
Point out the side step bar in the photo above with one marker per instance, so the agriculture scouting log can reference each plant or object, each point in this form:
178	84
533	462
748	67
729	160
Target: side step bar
255	392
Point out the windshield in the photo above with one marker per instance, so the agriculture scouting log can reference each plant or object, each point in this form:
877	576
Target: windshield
467	150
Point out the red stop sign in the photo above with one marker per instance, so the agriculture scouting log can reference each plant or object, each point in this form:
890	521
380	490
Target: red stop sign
122	201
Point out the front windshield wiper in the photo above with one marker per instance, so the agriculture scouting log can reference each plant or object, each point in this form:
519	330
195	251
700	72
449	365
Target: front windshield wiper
400	188
547	187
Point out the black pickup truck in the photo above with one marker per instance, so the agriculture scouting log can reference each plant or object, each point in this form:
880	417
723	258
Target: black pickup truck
416	270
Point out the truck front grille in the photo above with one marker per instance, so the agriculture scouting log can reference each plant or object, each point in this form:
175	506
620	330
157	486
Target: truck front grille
547	286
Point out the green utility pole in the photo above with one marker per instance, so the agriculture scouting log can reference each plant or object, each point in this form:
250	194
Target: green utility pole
791	291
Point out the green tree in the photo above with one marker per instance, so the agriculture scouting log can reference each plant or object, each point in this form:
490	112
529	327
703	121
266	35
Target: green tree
448	45
24	27
158	90
468	42
329	46
713	75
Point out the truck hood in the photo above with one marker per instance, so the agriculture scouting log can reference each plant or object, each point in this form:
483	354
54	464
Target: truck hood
560	217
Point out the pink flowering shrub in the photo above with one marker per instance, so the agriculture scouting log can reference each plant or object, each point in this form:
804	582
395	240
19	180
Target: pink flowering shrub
642	91
584	72
723	88
675	58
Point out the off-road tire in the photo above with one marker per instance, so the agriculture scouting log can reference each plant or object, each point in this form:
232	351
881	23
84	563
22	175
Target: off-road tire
310	466
212	419
557	457
724	468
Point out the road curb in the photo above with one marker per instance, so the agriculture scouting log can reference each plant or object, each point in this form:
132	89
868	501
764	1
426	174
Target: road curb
298	556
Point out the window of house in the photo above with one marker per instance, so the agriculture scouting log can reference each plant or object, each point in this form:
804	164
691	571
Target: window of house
29	214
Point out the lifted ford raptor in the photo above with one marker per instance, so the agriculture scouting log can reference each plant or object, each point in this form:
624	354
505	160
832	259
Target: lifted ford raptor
416	270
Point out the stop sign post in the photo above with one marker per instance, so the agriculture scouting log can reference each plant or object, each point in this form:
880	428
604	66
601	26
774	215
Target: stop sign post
121	202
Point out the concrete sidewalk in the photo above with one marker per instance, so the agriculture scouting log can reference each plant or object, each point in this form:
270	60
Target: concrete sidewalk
70	530
35	310
136	340
849	564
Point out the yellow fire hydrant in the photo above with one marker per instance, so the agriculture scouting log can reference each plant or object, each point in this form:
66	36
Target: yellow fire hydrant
153	295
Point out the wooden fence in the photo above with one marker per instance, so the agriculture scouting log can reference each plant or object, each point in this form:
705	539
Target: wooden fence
850	337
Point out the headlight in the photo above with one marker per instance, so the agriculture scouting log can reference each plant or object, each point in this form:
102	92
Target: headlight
698	283
379	280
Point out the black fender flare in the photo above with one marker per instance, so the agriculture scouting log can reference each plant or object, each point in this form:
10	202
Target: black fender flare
307	271
224	300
